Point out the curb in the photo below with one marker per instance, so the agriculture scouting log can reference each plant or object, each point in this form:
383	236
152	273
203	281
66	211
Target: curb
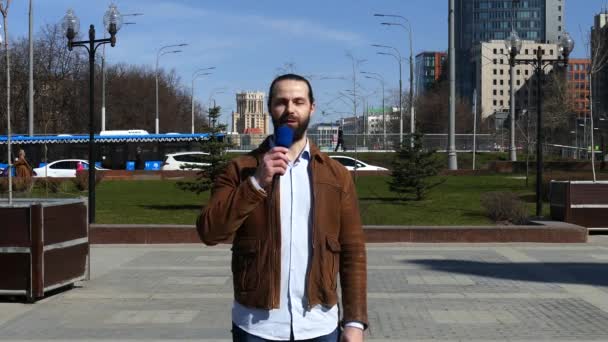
539	232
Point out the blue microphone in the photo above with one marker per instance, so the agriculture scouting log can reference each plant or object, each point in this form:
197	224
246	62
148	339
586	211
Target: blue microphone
284	136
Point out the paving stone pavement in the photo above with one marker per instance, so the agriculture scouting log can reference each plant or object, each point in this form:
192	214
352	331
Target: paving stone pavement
417	292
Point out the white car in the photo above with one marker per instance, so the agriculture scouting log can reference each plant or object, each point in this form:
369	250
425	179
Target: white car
184	161
64	168
352	164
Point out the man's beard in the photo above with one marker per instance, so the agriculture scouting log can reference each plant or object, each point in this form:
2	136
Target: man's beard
299	131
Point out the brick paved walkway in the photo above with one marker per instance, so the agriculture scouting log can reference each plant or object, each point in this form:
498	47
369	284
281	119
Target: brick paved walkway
417	292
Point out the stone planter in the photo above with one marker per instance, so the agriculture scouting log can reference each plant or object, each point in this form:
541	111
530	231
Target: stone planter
584	203
44	245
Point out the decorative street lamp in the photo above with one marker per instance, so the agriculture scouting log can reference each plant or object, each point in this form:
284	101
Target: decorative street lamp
112	21
513	44
565	46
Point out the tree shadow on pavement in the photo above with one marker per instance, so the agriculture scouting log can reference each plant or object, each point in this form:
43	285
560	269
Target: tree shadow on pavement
580	273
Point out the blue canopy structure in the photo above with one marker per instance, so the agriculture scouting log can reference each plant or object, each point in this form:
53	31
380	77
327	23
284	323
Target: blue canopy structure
80	139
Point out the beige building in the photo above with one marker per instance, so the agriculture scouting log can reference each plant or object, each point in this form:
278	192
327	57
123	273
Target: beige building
250	117
491	65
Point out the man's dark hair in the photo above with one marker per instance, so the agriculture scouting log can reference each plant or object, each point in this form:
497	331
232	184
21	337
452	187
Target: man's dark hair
292	77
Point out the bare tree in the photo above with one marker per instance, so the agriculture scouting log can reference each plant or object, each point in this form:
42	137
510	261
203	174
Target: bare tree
558	106
432	110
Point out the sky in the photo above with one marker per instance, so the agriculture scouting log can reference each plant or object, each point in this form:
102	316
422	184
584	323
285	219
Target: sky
248	42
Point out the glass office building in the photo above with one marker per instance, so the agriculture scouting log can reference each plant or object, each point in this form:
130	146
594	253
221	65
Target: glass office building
478	21
429	68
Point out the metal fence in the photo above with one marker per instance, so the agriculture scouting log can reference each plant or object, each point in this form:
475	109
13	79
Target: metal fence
389	142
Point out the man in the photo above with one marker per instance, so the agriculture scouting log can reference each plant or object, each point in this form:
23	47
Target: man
293	218
340	139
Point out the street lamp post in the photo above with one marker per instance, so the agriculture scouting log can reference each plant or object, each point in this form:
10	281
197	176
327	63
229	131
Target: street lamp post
566	44
408	28
513	44
399	60
198	73
379	78
112	21
158	54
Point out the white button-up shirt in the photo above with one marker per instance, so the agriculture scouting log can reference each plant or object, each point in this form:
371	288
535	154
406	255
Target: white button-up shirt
296	228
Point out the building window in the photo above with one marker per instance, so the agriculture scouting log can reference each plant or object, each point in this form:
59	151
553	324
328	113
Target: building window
495	102
494	82
502	72
502	82
527	52
502	103
495	61
494	71
502	92
518	72
518	82
494	51
494	92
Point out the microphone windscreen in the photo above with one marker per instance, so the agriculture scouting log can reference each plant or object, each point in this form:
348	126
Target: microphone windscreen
284	136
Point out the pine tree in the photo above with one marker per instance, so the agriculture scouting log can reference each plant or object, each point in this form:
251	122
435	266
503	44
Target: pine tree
217	159
412	170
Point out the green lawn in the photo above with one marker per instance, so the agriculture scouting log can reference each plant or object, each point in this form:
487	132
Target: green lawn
455	202
155	202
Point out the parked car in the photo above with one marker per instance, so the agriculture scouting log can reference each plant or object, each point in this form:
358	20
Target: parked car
352	163
184	161
64	168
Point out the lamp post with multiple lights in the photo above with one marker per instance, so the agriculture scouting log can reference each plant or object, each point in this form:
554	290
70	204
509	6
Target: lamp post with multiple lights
112	21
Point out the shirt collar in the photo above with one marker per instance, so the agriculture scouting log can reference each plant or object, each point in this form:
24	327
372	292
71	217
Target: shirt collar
305	153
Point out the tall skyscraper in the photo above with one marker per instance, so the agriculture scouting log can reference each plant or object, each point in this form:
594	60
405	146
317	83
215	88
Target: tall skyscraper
477	21
250	117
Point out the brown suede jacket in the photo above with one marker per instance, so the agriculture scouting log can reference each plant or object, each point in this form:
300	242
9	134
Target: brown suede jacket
237	211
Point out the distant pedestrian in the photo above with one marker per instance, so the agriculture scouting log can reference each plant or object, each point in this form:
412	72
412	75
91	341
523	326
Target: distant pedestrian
340	140
22	167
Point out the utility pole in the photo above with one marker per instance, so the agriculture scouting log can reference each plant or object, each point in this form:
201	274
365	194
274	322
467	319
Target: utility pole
452	159
30	126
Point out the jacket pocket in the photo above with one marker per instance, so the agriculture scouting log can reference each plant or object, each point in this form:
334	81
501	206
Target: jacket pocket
331	263
246	265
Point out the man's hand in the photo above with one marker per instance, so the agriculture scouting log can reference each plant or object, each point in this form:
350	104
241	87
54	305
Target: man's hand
352	334
274	162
